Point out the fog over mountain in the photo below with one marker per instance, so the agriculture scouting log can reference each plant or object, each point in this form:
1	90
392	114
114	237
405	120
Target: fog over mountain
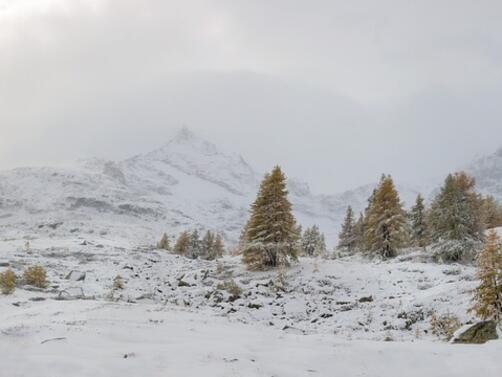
359	91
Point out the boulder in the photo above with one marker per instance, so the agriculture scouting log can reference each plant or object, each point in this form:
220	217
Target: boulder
478	333
71	294
366	299
75	276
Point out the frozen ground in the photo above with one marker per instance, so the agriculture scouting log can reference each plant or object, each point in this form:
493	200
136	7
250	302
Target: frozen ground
174	317
89	338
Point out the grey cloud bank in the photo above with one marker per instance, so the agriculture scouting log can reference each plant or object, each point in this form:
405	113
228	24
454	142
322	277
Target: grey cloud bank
337	92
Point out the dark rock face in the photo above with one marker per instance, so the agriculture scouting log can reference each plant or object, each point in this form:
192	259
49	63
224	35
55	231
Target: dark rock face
479	333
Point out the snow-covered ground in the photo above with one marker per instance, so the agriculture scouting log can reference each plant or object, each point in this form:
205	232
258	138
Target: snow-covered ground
90	338
320	317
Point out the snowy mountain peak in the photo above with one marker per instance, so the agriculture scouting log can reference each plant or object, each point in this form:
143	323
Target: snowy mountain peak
190	155
185	142
185	134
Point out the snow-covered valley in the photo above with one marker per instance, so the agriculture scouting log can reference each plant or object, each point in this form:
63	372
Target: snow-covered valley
177	316
88	338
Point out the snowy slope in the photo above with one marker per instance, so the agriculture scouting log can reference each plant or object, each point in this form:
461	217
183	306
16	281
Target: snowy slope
325	318
488	173
90	339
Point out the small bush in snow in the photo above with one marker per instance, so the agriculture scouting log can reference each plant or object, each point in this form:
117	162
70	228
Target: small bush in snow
8	282
220	268
231	287
36	276
118	283
445	325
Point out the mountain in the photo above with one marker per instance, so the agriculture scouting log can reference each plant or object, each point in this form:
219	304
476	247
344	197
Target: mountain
488	173
186	183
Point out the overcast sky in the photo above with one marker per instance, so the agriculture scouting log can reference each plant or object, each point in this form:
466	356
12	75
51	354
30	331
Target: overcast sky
336	91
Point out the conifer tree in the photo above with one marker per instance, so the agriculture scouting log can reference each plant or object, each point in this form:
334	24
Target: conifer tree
419	227
347	237
492	212
164	244
211	246
488	295
218	247
359	241
194	245
364	245
182	243
456	219
386	224
271	238
313	242
455	212
207	246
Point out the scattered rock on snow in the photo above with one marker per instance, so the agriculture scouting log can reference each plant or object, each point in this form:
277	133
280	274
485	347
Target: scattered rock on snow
366	299
293	330
479	333
182	283
51	340
37	299
71	294
75	276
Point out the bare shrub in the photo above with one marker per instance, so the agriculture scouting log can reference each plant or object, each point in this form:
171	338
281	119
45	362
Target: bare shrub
36	276
8	282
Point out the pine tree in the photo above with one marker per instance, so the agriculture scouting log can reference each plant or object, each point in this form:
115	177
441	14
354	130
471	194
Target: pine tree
313	242
359	241
194	245
366	215
419	227
207	246
164	244
210	247
455	212
492	212
386	224
182	243
271	238
488	295
218	247
456	219
347	237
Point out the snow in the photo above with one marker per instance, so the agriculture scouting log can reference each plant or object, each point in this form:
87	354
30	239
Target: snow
88	338
329	316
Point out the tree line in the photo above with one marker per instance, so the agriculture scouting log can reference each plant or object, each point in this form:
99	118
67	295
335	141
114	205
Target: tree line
452	226
191	245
